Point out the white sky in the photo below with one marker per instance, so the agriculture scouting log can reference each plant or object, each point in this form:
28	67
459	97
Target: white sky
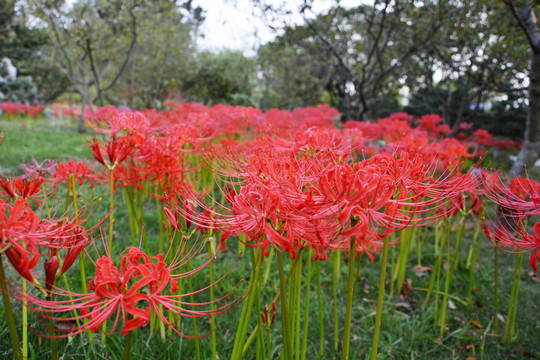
231	25
234	24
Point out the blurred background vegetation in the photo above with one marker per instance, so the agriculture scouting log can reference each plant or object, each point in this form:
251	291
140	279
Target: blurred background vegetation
467	61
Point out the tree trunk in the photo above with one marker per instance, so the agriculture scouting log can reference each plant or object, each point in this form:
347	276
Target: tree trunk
530	152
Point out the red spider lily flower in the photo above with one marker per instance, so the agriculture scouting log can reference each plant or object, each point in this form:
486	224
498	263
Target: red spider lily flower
533	243
46	168
51	267
79	170
24	260
524	188
524	242
477	206
69	238
128	293
116	150
127	175
109	120
520	199
23	233
17	224
26	189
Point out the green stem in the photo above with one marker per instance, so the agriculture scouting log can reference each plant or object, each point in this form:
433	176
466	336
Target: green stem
392	268
436	270
380	299
448	280
195	330
419	244
142	227
159	206
284	308
459	236
516	296
268	266
321	314
475	249
127	346
247	308
9	314
212	306
496	290
111	207
306	307
403	257
259	261
24	322
297	302
512	307
269	347
335	277
350	297
52	341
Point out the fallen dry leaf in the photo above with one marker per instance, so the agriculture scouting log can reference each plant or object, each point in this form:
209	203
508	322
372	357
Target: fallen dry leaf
421	268
533	277
476	324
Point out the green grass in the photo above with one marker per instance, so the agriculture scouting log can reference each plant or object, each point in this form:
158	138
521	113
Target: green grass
407	333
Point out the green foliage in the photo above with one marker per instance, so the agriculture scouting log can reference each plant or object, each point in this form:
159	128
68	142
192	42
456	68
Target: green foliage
26	46
223	78
291	76
163	57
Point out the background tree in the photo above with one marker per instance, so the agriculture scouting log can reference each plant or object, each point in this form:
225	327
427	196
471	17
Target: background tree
524	14
291	76
163	57
370	47
467	64
223	78
26	47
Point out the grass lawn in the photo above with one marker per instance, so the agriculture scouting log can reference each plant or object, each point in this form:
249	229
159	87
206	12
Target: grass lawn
408	328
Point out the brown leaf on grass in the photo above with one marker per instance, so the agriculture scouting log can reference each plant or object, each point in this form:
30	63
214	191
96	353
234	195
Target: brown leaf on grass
458	319
470	358
469	346
422	271
421	268
476	324
533	277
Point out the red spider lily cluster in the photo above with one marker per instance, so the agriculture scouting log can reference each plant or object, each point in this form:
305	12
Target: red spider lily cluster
12	109
518	205
282	180
27	236
291	200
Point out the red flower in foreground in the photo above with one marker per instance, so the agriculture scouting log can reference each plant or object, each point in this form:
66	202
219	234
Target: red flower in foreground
117	150
79	170
27	189
130	292
18	224
504	238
